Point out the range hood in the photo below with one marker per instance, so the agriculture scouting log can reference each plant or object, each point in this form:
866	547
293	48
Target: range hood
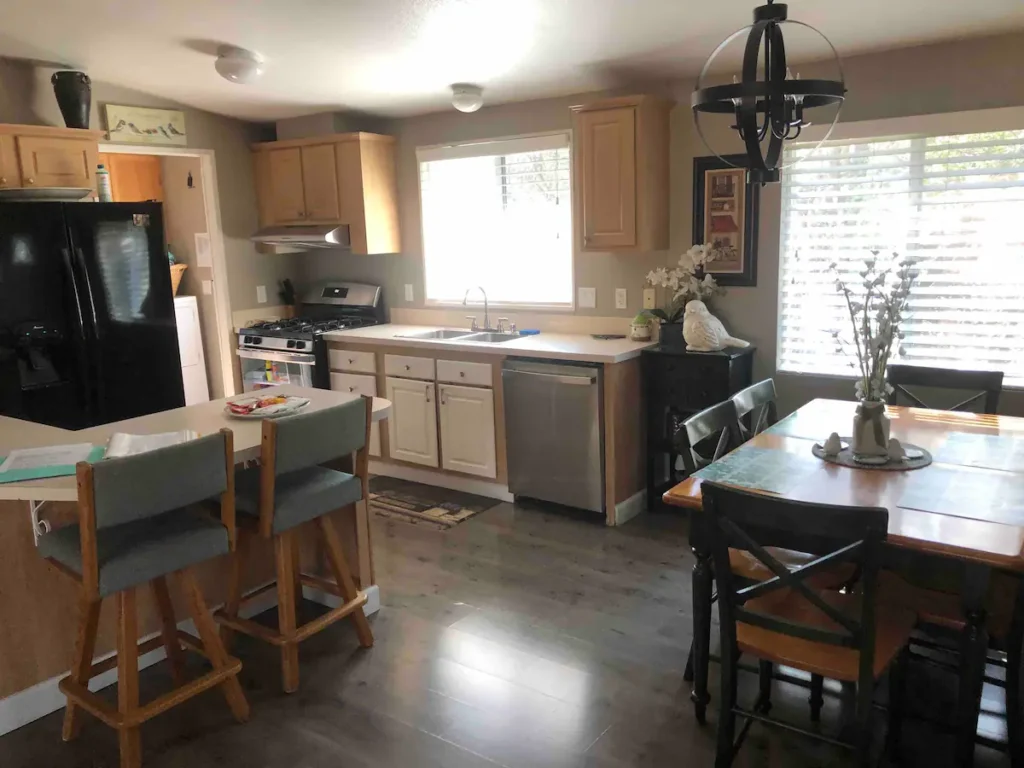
304	238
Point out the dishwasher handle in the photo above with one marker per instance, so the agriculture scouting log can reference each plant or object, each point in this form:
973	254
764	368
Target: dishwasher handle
560	378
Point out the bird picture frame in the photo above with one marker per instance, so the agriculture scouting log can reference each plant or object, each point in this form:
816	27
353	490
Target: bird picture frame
725	212
145	125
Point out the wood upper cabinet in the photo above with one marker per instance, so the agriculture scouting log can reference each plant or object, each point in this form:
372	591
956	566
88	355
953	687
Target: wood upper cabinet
42	156
346	178
621	159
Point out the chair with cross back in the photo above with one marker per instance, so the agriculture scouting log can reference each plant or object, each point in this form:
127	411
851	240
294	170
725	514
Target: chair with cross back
758	402
986	386
787	620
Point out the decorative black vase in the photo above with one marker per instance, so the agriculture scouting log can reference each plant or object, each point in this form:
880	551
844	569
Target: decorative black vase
672	336
74	97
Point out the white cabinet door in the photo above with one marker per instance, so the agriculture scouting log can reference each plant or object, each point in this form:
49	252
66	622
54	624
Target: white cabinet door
360	385
467	430
190	348
412	423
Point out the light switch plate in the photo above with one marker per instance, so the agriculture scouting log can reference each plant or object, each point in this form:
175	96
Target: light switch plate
408	292
207	287
587	298
261	294
620	298
649	298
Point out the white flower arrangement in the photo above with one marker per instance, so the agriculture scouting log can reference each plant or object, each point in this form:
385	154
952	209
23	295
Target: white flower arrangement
875	317
687	282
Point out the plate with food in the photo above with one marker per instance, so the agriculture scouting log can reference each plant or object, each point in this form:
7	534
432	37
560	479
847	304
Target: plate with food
265	407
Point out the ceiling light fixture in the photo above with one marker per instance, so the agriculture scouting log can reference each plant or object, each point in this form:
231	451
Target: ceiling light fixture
238	65
771	107
467	97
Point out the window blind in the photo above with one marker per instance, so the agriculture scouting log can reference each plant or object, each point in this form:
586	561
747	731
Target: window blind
955	203
498	214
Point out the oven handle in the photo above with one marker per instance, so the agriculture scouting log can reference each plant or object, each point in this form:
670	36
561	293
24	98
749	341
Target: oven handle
277	357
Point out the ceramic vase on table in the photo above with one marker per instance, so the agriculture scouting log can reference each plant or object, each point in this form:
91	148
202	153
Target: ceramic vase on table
870	431
74	97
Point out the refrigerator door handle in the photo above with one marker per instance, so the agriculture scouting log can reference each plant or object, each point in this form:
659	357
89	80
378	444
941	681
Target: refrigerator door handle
74	288
88	290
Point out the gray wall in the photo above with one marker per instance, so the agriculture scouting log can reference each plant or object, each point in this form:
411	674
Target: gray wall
26	97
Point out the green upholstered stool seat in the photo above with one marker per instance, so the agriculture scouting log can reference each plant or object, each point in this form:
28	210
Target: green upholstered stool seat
134	553
299	496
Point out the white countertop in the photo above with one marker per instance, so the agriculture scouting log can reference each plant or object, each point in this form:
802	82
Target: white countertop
555	346
205	418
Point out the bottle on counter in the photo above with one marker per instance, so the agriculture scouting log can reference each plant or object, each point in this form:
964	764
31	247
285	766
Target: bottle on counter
103	184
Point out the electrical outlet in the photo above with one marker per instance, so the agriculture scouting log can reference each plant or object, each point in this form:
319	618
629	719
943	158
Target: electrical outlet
261	294
649	298
587	298
408	292
207	287
620	298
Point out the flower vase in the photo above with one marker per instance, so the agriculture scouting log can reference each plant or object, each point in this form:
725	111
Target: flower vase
672	336
870	431
74	97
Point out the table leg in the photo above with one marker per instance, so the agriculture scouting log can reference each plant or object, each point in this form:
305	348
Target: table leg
973	654
701	579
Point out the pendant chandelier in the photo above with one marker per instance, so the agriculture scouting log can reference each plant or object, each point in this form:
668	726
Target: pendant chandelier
768	104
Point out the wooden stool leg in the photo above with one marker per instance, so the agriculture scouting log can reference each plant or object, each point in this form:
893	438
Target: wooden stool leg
343	577
235	576
297	565
128	676
215	652
286	621
81	671
169	629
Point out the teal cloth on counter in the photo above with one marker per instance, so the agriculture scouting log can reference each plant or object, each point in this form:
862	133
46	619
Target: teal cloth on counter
58	470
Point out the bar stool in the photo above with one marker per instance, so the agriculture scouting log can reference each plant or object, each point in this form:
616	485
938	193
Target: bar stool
135	527
291	488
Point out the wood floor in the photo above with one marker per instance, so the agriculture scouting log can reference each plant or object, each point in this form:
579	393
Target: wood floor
522	638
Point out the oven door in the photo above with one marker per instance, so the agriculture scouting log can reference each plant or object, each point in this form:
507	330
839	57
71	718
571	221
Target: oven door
262	368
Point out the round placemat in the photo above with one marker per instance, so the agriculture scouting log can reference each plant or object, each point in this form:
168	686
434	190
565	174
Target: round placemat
845	458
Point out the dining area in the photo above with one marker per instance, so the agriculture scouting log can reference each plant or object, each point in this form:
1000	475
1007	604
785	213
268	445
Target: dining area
841	571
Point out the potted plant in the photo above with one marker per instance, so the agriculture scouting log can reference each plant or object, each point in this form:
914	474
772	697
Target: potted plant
876	301
688	281
640	328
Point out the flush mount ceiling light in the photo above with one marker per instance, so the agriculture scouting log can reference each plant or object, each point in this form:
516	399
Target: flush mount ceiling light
768	106
238	65
467	97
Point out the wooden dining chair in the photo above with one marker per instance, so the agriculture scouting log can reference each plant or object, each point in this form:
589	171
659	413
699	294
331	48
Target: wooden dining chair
986	385
786	620
137	525
291	488
758	402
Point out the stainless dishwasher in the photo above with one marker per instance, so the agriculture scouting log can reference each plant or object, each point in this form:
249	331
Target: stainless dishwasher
554	432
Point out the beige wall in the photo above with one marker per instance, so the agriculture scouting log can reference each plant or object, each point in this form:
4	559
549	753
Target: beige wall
184	217
26	96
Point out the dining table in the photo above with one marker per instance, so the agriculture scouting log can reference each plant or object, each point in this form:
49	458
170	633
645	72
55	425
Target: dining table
965	508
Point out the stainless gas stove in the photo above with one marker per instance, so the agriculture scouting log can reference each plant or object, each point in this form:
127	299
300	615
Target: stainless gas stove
293	351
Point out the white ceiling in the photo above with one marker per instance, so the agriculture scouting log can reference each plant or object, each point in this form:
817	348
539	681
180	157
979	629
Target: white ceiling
398	57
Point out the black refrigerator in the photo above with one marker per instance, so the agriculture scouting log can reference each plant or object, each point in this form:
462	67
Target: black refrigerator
87	330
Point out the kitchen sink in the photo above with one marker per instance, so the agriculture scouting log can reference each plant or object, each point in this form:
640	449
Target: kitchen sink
490	338
441	334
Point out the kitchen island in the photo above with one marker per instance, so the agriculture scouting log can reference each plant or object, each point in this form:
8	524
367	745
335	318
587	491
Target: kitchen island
38	606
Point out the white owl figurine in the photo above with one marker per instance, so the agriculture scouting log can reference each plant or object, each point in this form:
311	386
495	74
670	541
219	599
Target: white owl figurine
703	332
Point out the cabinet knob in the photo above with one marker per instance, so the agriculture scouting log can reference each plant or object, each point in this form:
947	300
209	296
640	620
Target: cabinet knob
462	374
408	368
301	214
350	361
30	181
3	180
351	389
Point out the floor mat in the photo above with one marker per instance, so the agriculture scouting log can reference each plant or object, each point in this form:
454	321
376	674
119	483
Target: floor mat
440	508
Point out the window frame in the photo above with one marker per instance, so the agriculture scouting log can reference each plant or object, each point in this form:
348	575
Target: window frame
454	150
913	126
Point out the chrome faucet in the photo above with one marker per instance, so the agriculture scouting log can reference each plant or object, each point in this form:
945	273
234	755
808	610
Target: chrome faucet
487	320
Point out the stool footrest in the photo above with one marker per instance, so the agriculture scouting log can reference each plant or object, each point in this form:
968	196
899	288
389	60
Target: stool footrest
333	615
249	627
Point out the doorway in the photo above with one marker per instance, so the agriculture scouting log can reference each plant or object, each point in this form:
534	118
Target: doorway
185	181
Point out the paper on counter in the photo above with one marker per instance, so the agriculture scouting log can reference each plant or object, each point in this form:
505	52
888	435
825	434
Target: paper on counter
50	456
123	444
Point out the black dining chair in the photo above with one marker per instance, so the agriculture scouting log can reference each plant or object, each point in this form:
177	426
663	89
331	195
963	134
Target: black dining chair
787	620
757	401
986	385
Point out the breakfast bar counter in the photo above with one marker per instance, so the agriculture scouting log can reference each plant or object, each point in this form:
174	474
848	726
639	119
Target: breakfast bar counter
38	606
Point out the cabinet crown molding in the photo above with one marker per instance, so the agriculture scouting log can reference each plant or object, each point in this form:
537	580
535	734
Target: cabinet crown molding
329	138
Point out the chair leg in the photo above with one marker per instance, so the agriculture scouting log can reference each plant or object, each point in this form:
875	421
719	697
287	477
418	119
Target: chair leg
129	739
701	580
688	672
235	577
817	698
765	671
343	577
212	645
297	569
169	629
897	697
862	725
726	703
81	670
286	621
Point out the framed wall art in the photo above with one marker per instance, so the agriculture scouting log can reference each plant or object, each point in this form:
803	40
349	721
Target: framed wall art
146	125
725	209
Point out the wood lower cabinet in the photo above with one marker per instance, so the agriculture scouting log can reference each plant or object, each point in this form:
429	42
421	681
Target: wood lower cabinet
466	415
412	423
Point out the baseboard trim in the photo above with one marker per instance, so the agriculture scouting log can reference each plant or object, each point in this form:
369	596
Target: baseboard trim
631	507
441	480
41	699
